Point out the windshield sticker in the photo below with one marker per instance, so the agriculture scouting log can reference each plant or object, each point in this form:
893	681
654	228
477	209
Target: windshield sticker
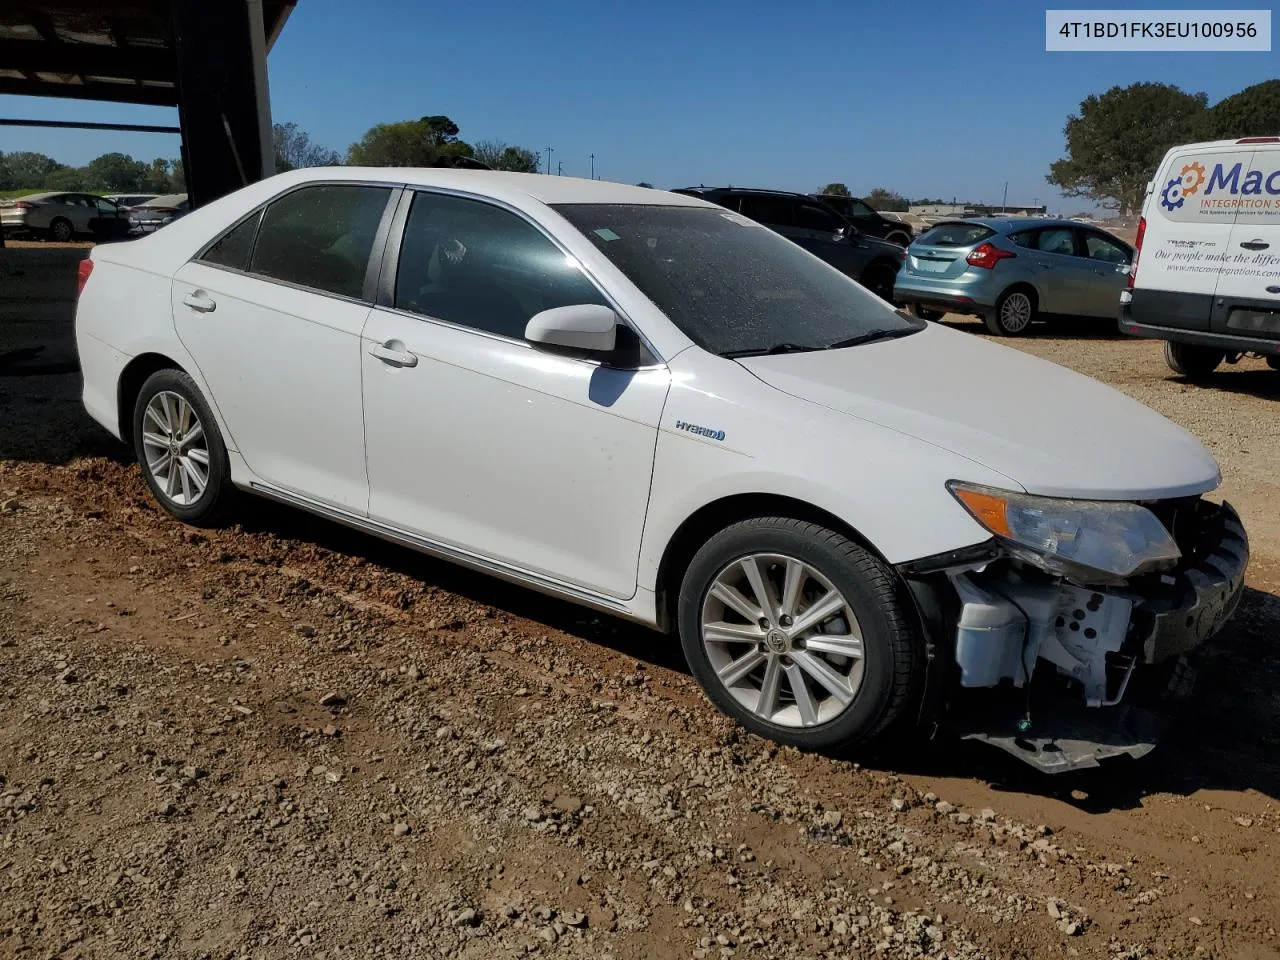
604	233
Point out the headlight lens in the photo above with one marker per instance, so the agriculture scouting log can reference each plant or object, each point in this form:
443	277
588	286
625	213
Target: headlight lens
1072	537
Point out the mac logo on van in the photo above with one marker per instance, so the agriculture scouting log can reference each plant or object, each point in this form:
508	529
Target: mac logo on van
1229	179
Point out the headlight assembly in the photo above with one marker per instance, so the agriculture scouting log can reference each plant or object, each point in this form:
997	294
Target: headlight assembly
1080	539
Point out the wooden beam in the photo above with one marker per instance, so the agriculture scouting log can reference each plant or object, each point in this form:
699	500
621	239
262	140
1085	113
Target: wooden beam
99	60
111	92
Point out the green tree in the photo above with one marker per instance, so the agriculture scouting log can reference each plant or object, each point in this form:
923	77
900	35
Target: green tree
503	156
294	149
116	173
24	170
157	179
836	190
409	143
882	198
67	178
1253	112
1118	138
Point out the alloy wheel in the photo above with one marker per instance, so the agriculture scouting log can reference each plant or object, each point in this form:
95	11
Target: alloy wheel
177	450
782	640
1015	312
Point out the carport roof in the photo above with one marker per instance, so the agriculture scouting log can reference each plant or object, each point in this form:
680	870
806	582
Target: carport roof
118	50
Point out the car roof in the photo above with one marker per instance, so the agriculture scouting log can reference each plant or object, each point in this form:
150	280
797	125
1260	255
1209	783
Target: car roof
1006	224
500	184
762	190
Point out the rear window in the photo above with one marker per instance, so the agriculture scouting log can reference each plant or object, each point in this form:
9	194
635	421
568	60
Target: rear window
955	235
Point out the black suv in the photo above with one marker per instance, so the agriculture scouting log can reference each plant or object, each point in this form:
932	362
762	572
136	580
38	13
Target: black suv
859	213
818	228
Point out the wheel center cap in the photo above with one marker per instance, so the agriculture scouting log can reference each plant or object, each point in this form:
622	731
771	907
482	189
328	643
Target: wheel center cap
776	641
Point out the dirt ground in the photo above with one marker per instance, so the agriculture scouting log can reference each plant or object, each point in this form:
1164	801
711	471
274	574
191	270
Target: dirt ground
285	739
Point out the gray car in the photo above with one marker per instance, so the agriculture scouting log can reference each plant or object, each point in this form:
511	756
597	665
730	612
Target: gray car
1013	271
63	216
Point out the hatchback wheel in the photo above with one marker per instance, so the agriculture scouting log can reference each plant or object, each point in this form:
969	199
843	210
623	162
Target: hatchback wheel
797	632
177	442
1013	313
1191	361
61	230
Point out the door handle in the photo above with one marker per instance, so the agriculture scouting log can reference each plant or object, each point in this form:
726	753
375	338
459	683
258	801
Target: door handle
199	303
1255	245
393	353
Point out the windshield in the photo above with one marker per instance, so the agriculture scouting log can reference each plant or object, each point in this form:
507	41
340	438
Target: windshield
731	285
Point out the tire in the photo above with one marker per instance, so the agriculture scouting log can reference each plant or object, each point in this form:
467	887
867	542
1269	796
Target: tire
1273	362
876	688
158	408
901	239
62	230
924	313
1014	313
878	277
1191	361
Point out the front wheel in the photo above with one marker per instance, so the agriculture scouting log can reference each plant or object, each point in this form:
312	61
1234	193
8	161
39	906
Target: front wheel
180	449
798	633
1191	361
1013	313
878	278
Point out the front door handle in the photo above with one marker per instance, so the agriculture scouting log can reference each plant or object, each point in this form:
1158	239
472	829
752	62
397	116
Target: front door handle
199	303
393	353
1255	245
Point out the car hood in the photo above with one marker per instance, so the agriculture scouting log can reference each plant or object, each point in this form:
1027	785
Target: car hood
1051	430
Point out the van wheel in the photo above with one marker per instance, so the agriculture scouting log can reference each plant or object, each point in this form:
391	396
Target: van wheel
1191	361
798	633
1013	313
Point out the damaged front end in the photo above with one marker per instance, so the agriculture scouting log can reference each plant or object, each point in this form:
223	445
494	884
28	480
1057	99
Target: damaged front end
1063	664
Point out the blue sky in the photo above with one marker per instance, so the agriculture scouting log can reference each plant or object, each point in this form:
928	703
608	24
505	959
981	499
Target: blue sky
926	98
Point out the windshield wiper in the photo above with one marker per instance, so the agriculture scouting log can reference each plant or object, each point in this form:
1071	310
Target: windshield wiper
770	350
873	336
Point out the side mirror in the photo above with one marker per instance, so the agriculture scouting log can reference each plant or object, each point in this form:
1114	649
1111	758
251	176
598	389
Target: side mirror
580	326
1122	268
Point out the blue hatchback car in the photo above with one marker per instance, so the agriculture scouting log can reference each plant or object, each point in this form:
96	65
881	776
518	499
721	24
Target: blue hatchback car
1014	271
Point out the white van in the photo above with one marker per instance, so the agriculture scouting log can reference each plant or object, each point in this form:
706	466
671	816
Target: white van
1206	275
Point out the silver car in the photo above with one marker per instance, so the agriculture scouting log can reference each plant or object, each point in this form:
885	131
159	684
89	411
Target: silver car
155	213
1012	272
63	216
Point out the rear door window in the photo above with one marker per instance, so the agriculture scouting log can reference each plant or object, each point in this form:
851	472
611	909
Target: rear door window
774	211
321	237
956	235
1099	247
810	216
232	249
1059	240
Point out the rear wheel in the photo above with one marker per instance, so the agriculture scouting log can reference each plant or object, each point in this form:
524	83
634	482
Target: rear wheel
180	449
61	230
1191	361
797	632
1013	313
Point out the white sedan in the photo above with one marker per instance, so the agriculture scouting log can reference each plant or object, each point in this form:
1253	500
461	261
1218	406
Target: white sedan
649	405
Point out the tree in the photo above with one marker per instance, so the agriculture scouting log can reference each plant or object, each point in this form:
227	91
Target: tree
881	198
27	171
294	149
116	173
409	143
1253	112
1116	141
836	190
67	178
503	156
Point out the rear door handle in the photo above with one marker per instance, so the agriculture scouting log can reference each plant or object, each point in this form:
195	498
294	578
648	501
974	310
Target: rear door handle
199	303
393	353
1255	245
